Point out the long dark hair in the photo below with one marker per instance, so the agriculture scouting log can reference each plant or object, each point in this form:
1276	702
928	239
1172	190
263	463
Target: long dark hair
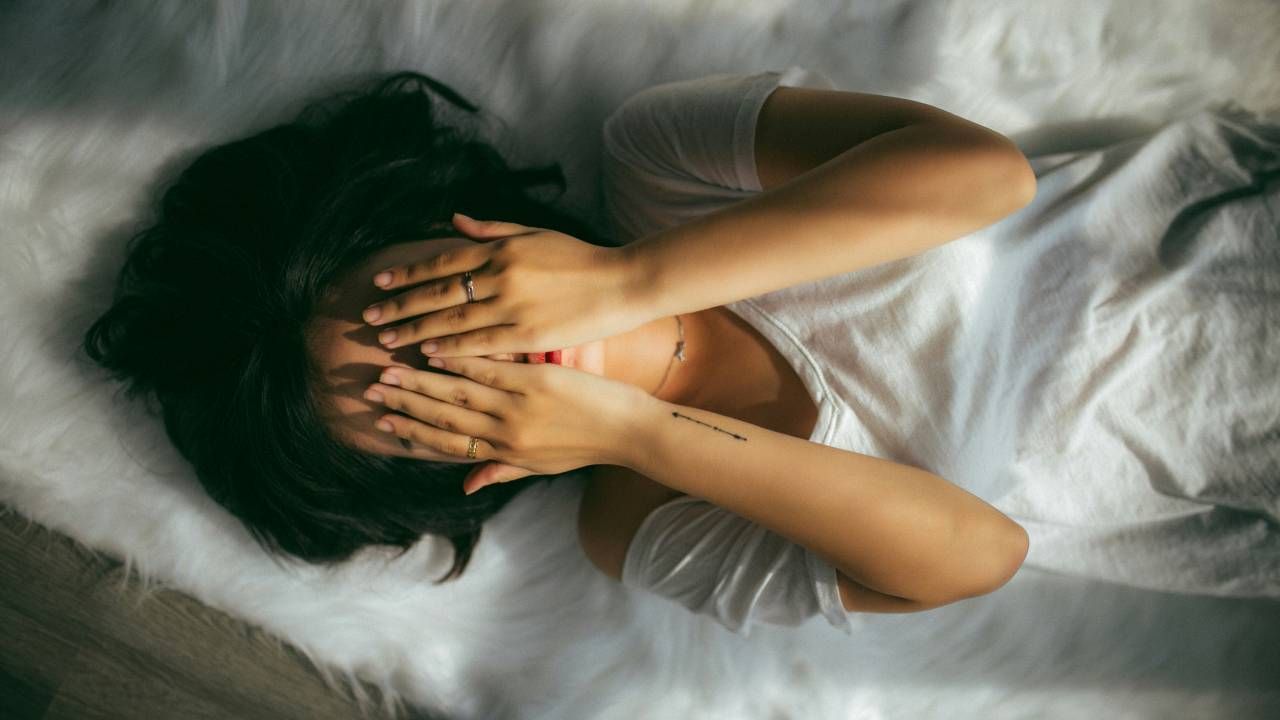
211	306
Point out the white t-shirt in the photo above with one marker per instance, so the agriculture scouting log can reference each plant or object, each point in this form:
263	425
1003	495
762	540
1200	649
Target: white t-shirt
1099	366
673	152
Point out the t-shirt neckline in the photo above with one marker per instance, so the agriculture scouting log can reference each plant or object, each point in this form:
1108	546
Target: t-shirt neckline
800	361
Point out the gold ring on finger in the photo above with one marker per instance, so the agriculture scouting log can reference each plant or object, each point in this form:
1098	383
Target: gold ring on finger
471	447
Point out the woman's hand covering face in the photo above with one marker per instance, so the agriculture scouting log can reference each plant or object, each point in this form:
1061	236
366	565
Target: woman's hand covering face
349	358
536	290
528	419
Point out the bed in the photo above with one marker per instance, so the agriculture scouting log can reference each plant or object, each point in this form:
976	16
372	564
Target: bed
101	102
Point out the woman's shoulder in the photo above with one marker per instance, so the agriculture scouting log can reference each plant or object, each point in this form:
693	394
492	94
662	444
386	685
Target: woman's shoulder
614	505
622	489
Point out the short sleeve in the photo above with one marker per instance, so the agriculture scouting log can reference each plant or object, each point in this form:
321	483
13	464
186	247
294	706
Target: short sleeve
717	563
680	149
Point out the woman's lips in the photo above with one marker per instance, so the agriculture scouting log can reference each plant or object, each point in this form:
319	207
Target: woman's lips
556	357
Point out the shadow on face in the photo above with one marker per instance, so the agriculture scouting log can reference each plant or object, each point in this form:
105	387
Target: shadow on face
350	358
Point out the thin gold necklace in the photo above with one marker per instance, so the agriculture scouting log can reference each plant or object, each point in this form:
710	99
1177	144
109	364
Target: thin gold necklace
679	353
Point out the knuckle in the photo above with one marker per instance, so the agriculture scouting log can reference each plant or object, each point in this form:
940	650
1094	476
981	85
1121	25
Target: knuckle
419	434
444	423
541	381
489	377
488	337
457	314
459	397
523	335
410	299
518	440
502	283
498	263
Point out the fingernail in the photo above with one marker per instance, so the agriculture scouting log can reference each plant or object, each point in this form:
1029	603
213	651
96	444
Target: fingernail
371	314
430	347
389	379
373	395
382	279
384	426
435	362
464	217
388	336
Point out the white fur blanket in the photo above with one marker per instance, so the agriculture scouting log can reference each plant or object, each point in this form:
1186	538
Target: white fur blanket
98	100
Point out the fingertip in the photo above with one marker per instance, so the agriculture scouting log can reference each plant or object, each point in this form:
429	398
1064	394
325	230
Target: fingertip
383	279
464	217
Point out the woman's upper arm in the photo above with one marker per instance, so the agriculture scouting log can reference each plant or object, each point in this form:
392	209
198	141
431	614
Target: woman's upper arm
679	149
614	505
690	139
800	128
856	597
616	502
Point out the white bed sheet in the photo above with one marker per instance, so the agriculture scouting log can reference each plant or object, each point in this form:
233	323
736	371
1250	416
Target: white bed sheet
97	102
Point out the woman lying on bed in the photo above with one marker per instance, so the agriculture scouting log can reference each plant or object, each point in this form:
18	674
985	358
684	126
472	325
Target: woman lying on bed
284	305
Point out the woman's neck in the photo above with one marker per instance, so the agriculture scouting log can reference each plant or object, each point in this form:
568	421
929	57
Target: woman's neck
642	356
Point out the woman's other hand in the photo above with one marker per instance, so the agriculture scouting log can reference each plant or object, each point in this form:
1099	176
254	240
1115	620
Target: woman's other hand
529	419
536	290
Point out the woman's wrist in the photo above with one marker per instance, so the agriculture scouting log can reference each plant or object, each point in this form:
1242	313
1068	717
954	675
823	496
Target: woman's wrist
630	433
639	282
649	284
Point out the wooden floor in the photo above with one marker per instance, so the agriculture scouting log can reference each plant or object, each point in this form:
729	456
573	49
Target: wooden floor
76	641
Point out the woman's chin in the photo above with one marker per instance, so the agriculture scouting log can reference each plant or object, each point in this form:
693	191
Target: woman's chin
588	357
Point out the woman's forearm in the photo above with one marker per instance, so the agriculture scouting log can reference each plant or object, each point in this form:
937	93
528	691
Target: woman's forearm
893	196
890	527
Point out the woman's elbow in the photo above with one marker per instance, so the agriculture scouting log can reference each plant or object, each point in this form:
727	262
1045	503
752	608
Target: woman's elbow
997	556
1025	181
1006	554
1018	178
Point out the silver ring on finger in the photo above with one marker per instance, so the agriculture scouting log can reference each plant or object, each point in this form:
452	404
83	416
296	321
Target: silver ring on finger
471	447
469	286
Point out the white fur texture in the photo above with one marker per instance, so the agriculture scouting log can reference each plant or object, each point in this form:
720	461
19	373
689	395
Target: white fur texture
100	101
